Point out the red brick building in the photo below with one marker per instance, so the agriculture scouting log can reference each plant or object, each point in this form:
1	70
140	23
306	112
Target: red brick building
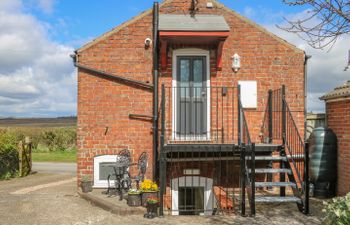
205	52
338	119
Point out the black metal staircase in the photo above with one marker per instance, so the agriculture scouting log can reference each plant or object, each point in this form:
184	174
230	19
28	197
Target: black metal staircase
286	148
282	152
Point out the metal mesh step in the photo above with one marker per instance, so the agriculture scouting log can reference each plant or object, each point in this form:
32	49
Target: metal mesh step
268	158
268	170
261	147
275	184
277	199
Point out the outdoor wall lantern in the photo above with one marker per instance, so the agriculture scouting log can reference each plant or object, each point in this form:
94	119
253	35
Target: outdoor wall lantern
236	62
148	42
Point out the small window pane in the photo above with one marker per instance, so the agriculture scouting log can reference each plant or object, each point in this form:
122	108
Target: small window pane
105	170
184	77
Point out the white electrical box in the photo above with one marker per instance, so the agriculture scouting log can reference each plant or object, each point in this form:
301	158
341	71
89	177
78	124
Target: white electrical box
210	5
249	93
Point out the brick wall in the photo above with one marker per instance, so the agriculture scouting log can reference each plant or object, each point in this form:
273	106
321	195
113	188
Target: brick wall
338	119
104	105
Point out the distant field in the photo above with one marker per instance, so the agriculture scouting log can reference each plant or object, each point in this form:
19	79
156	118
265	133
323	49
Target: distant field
39	122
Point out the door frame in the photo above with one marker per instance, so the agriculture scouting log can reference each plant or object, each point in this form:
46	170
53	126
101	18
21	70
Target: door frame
189	52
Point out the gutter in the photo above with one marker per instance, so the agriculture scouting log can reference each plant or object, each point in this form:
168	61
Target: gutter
115	77
307	57
155	87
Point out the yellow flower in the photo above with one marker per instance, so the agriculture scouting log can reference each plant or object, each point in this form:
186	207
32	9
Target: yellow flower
154	187
148	185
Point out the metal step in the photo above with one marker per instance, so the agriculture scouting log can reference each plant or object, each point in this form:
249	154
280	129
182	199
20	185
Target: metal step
269	170
275	184
277	199
261	147
268	158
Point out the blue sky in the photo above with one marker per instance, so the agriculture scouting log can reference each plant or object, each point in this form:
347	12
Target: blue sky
73	24
37	77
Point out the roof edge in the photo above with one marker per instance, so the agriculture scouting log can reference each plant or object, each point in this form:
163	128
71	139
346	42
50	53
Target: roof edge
114	30
256	25
340	92
147	12
335	98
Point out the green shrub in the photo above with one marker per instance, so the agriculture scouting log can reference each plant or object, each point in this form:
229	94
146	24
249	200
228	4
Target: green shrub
8	155
59	139
46	139
338	211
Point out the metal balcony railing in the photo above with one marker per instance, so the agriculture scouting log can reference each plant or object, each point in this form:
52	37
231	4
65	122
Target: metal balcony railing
200	114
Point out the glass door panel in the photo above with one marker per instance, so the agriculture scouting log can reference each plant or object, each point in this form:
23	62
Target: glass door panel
191	92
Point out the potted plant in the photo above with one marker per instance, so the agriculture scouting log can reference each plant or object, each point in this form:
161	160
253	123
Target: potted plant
149	189
152	207
134	197
86	184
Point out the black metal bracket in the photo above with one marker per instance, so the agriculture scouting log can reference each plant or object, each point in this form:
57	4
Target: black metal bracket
140	116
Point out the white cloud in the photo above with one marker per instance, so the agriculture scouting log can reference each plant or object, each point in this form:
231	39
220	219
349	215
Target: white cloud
325	69
47	5
8	5
37	77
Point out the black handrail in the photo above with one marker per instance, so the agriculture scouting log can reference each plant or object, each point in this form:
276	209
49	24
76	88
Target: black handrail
162	161
298	153
279	125
247	152
294	143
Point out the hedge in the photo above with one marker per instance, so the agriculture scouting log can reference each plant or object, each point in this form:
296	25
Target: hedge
9	161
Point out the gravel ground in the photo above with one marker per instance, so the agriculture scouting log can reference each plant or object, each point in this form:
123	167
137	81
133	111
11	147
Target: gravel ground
60	204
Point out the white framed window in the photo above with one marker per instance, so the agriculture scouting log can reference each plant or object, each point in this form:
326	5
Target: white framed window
193	181
249	94
101	171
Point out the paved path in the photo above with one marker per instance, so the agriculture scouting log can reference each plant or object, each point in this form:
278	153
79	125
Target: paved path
50	167
44	198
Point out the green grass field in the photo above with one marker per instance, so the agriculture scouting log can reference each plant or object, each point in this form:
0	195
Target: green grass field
57	156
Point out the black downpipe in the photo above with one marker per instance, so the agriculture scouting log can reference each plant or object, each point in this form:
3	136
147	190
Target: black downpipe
307	182
155	88
307	57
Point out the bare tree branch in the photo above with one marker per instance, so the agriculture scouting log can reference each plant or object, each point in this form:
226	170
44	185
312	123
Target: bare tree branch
325	22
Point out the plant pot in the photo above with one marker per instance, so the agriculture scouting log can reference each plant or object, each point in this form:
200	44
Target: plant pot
152	210
148	194
134	200
86	186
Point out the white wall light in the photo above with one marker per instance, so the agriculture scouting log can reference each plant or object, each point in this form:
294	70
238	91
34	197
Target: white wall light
236	62
148	42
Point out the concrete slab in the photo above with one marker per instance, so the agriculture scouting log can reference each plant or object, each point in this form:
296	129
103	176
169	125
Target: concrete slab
55	168
111	203
61	205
